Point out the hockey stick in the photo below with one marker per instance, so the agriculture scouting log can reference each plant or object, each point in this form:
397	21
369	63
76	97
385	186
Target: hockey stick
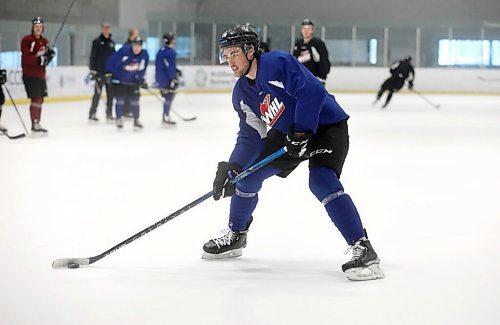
425	99
488	79
62	24
76	262
15	106
13	137
185	119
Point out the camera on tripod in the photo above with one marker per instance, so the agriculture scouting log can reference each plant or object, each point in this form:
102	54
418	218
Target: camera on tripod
3	76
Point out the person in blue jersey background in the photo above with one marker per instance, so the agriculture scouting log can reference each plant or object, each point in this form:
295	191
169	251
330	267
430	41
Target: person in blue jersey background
167	74
275	90
128	67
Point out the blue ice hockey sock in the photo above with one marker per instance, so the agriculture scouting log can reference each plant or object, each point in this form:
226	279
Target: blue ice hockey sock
242	207
345	216
134	104
119	106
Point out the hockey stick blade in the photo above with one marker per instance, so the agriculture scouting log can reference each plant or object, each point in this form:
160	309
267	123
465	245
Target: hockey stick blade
13	137
185	119
488	79
436	106
61	263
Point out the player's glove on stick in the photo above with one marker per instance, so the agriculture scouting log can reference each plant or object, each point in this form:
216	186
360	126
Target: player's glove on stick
174	83
93	74
107	77
165	91
296	142
225	172
45	59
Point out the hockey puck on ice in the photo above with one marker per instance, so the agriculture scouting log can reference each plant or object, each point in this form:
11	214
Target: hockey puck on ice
73	265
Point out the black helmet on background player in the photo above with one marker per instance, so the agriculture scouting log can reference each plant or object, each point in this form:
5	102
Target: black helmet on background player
37	20
138	40
240	36
168	38
307	22
407	58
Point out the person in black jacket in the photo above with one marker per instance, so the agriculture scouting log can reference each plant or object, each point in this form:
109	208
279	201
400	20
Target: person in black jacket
400	71
102	48
312	52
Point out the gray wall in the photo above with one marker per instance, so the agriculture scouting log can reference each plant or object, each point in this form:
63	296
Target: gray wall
392	13
83	11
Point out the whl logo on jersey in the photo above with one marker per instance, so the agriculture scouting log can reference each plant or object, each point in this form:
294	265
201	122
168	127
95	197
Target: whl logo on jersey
271	110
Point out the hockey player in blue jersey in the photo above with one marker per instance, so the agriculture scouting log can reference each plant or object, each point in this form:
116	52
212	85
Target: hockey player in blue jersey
128	67
274	90
167	74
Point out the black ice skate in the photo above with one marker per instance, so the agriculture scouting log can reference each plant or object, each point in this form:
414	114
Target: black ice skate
109	118
228	246
137	124
119	122
364	264
37	129
167	120
93	118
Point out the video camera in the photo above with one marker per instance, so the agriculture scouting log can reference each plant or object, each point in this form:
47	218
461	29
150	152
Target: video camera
3	76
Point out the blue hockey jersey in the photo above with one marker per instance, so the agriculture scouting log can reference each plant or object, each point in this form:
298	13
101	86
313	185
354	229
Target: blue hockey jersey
284	93
166	68
127	67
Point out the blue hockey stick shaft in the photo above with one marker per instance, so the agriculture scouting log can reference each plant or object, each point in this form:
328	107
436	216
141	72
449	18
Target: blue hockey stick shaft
64	262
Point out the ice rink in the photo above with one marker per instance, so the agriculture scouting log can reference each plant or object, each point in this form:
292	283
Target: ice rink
426	182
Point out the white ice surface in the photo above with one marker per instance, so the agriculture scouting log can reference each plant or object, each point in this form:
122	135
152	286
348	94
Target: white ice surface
426	182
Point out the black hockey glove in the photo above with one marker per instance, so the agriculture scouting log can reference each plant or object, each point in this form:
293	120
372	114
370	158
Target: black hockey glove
174	83
108	76
225	172
410	85
165	91
93	75
50	55
296	142
45	59
42	60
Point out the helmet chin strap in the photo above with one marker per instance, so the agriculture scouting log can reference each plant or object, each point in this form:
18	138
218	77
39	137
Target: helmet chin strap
249	66
249	63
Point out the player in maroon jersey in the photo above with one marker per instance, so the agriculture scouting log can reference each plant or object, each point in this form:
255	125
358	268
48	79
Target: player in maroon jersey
36	55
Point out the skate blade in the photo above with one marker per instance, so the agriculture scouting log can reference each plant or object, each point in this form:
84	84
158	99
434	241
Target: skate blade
40	134
370	272
229	254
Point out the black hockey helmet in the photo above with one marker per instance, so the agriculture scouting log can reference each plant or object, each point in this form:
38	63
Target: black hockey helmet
138	40
307	22
240	36
37	20
407	58
168	38
251	26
